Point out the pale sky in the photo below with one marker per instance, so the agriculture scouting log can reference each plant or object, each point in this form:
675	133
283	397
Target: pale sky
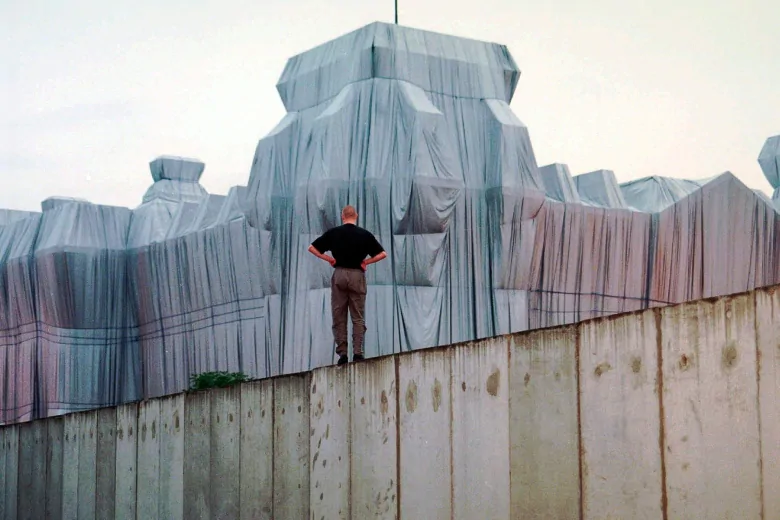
92	90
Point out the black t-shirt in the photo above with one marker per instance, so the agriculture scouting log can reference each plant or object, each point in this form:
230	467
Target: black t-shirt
349	244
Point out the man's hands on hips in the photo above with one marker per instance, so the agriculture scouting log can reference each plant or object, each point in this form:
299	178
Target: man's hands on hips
327	258
373	260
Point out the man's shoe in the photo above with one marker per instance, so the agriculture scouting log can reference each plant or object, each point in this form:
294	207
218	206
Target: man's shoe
357	357
343	360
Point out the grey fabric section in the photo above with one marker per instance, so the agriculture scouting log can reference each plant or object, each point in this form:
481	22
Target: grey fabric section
652	194
167	167
9	216
434	62
150	222
176	180
769	160
176	191
600	188
558	183
101	305
763	195
55	202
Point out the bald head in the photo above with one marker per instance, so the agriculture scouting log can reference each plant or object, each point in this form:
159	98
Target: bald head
349	215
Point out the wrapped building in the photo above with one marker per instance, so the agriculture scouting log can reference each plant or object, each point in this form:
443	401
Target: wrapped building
103	305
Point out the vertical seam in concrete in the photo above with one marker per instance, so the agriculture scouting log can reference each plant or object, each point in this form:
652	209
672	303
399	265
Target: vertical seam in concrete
46	466
97	440
240	420
97	445
508	417
348	405
237	391
59	490
577	341
758	405
273	448
307	418
397	438
661	414
76	416
159	449
137	422
452	459
113	489
18	468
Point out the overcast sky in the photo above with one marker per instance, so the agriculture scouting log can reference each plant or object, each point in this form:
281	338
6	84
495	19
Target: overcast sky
92	90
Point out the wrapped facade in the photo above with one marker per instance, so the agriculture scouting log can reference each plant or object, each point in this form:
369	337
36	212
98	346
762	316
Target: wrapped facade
103	305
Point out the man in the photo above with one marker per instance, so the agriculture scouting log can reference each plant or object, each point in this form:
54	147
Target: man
350	246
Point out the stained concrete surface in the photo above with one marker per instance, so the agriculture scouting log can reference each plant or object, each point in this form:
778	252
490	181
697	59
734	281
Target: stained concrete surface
666	413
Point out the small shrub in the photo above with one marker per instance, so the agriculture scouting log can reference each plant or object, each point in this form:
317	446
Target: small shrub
216	380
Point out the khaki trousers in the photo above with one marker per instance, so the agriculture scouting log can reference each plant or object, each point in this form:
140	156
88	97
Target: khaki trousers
348	293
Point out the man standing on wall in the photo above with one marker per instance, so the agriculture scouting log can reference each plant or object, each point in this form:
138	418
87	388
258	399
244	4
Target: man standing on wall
350	246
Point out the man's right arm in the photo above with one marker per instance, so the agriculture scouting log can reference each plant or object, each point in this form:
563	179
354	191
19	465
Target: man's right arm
327	258
322	244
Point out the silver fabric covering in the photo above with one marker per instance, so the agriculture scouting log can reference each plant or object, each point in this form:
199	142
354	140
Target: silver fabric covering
600	189
102	305
558	183
176	179
653	194
769	159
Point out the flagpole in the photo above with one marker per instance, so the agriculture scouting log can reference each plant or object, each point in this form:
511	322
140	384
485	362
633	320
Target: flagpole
396	12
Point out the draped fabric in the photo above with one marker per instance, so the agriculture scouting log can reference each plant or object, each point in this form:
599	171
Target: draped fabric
102	305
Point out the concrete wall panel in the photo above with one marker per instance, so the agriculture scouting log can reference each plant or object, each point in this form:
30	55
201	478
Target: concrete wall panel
330	437
543	425
105	484
710	398
126	457
480	430
10	478
257	437
148	485
54	439
424	383
225	457
3	473
24	471
197	456
374	440
768	338
620	414
291	446
70	467
483	430
87	432
32	471
40	468
171	504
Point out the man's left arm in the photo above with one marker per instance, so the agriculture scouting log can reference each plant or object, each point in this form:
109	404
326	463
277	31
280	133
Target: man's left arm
377	253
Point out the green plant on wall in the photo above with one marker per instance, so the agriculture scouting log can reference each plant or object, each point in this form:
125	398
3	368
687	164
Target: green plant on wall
216	380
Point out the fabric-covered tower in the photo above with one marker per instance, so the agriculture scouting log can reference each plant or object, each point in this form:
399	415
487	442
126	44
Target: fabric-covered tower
769	160
415	130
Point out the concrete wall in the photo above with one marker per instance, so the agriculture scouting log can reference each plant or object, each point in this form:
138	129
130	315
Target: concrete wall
667	413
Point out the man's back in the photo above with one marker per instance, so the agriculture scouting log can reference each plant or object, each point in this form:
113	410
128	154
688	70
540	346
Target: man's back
350	245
